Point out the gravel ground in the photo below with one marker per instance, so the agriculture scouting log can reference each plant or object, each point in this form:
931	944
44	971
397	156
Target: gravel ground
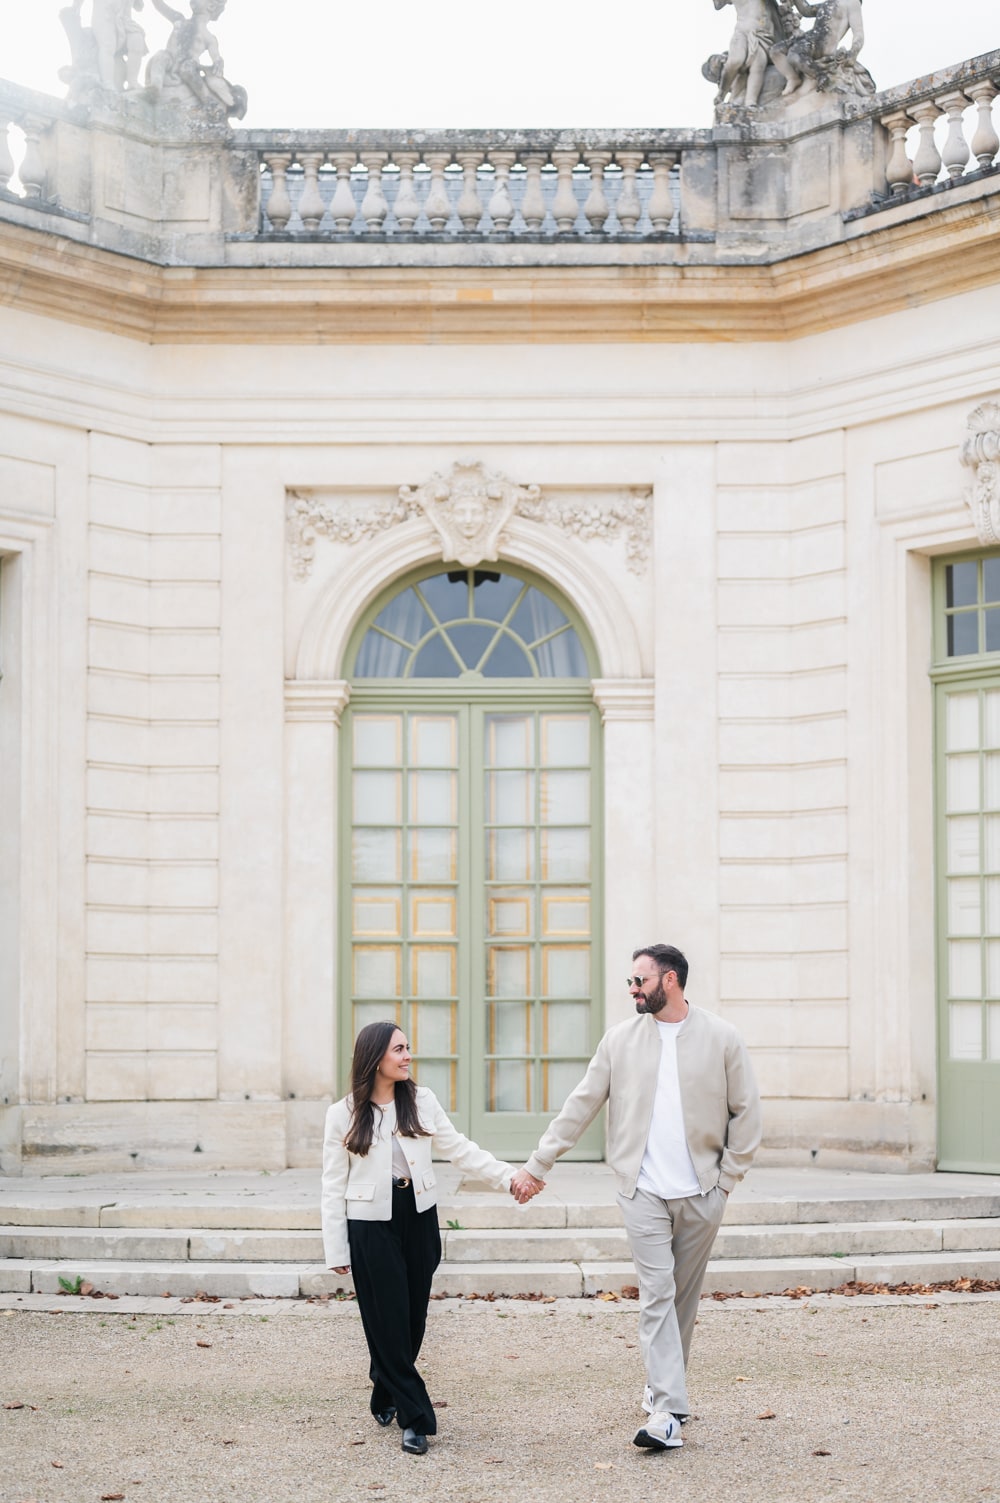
872	1402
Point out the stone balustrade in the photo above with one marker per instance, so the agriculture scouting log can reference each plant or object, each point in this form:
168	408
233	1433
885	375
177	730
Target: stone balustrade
941	135
497	184
119	176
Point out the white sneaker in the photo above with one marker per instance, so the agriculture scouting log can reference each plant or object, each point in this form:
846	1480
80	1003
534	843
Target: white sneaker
661	1432
647	1404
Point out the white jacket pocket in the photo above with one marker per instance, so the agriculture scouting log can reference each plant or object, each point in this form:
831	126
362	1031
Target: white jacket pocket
428	1180
360	1192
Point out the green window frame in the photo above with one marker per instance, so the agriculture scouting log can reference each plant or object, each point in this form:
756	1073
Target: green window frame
501	1066
966	677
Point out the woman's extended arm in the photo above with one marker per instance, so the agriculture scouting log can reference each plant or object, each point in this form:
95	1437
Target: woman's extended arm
449	1143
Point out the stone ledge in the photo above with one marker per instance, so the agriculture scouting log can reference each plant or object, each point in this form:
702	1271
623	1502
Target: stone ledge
899	266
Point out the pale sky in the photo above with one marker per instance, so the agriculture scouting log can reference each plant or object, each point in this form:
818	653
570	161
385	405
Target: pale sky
543	63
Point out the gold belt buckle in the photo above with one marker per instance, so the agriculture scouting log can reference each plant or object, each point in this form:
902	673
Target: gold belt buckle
400	1184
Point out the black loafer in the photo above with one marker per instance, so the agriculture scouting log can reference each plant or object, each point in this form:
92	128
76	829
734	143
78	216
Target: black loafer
385	1417
414	1442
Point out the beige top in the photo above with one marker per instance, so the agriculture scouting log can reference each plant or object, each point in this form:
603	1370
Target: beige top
719	1100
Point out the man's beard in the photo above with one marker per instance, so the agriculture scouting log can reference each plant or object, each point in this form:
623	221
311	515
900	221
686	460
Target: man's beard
656	1000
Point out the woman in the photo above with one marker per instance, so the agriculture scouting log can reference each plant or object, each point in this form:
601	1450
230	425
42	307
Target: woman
379	1216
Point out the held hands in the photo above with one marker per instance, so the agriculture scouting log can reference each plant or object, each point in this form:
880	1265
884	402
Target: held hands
525	1186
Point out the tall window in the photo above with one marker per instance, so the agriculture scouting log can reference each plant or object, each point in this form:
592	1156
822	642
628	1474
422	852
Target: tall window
473	795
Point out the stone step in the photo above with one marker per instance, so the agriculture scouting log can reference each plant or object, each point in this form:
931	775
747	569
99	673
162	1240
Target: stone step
517	1245
228	1280
38	1204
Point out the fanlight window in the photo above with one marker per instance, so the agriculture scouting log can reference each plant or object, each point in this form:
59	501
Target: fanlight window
471	624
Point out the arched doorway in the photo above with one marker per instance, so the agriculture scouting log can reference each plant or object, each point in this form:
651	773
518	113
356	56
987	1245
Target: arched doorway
471	815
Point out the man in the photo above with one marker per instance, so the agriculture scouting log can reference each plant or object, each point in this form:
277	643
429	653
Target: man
683	1127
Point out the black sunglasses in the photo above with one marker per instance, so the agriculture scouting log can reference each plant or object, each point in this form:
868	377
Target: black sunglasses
638	980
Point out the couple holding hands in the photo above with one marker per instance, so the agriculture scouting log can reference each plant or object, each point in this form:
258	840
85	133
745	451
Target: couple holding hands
683	1127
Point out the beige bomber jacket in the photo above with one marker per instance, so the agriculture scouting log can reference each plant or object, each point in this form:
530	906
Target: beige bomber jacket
719	1100
357	1188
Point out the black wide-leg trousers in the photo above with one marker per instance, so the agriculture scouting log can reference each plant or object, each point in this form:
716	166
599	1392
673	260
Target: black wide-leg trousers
393	1263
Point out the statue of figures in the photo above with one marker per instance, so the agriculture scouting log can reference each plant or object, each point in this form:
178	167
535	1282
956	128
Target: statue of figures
769	45
760	38
817	56
180	62
106	54
121	42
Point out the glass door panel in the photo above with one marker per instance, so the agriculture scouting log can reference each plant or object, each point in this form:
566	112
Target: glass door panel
538	792
415	979
968	877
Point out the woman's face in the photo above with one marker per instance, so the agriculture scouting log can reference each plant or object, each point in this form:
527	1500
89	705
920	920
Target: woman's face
395	1062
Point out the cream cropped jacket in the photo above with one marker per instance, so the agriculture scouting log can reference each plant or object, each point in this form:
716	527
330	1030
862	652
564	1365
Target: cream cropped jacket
719	1100
360	1189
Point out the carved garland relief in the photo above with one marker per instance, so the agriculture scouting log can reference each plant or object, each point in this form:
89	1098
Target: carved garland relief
981	453
468	509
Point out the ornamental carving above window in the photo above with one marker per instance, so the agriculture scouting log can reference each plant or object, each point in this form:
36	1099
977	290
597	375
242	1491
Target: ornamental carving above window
468	508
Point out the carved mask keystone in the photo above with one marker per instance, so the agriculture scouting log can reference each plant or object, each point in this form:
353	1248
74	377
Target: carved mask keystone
981	454
468	509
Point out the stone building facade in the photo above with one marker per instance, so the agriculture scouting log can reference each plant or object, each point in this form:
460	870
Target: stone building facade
431	566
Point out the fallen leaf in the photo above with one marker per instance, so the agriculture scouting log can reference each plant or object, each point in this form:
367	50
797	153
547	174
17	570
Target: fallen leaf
606	1294
511	1356
741	1380
822	1453
604	1466
355	1442
203	1343
86	1288
14	1404
59	1465
112	1497
229	1307
767	1414
440	1404
229	1442
630	1291
493	1460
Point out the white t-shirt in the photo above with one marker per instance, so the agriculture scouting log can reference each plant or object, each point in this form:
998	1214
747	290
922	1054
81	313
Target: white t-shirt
666	1168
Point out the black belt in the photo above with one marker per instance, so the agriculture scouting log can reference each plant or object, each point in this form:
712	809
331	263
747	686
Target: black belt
400	1184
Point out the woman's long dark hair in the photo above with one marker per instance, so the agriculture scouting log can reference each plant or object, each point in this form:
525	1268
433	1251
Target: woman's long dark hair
369	1048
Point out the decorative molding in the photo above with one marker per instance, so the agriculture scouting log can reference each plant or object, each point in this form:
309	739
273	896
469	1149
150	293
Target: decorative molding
981	454
598	595
469	509
630	512
323	700
343	520
624	698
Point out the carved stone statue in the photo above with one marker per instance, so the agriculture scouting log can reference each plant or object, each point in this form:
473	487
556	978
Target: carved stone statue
108	53
817	57
758	39
769	45
179	66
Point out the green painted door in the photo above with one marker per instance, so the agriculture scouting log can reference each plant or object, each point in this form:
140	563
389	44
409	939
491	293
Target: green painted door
968	862
472	787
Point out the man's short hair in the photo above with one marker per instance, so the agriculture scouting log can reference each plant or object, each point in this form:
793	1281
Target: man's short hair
667	958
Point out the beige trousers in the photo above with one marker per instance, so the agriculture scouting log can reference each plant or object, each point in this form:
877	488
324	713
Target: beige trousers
671	1242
